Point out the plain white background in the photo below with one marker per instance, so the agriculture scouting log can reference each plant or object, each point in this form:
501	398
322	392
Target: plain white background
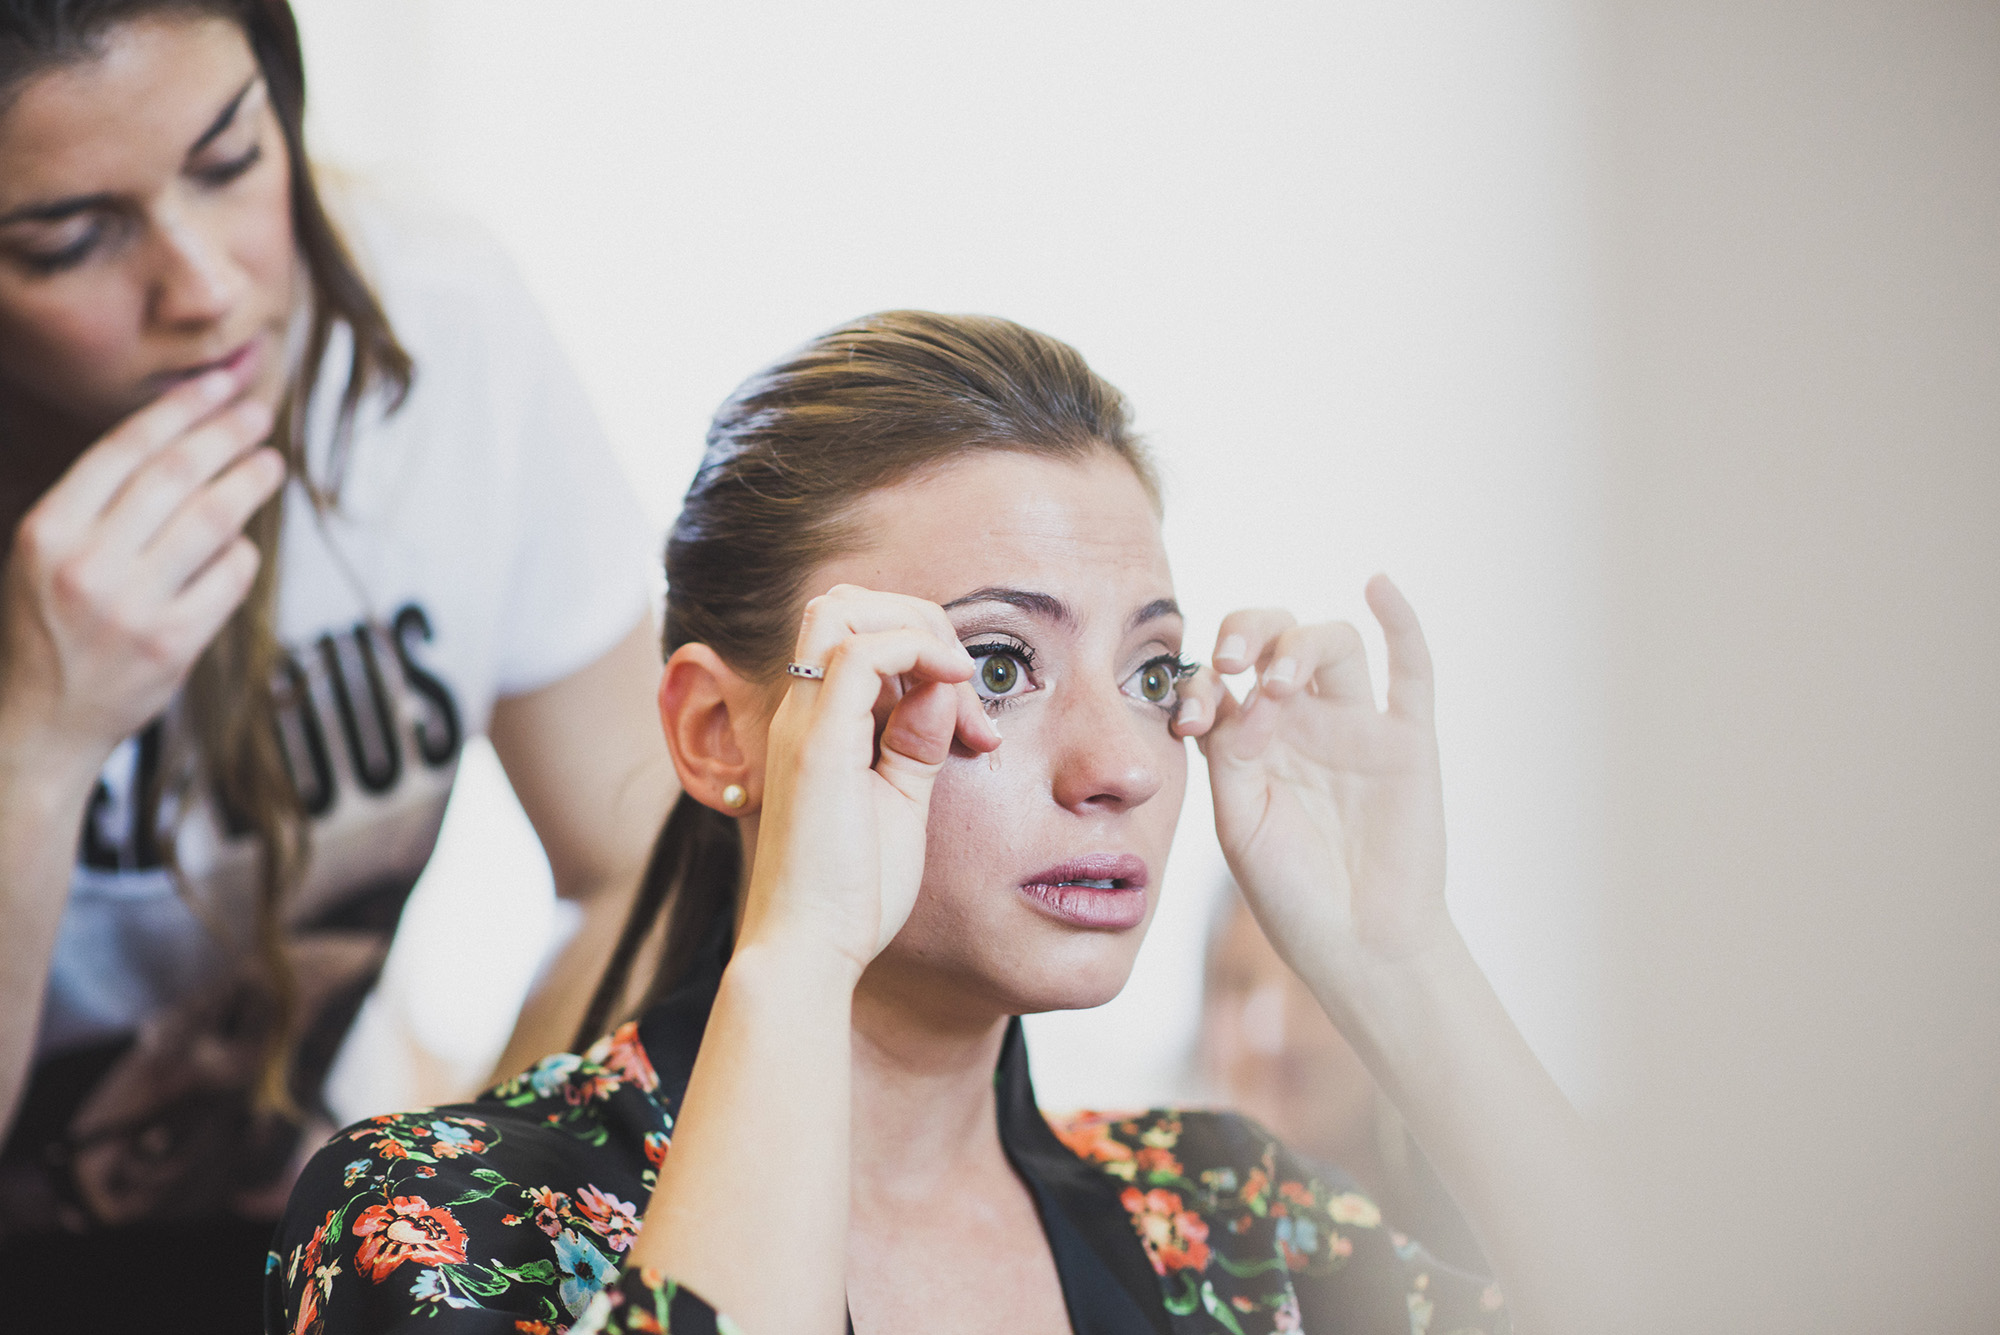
1337	254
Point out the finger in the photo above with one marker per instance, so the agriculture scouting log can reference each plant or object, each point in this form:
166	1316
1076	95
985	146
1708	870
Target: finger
1412	688
979	730
164	483
1329	656
101	470
208	521
1244	638
1201	696
848	609
857	670
918	735
1240	730
194	618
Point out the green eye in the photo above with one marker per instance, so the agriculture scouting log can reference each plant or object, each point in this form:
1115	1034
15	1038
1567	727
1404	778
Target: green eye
999	674
1156	683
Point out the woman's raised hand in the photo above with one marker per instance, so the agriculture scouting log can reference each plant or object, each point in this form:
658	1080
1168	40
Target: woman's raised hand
127	567
1328	809
850	765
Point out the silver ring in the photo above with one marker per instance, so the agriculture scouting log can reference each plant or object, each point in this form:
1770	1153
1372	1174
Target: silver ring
806	670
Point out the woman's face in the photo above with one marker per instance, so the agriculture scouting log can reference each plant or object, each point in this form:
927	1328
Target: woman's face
1044	859
145	223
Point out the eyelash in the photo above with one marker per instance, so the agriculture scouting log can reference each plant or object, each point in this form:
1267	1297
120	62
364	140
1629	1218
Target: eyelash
216	177
223	173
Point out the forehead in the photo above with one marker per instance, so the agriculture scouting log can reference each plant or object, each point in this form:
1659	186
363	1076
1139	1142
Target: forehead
1083	530
125	113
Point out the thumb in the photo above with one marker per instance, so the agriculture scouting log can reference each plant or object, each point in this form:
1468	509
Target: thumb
917	738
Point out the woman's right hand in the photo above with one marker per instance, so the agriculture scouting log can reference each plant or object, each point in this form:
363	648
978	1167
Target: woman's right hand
125	570
849	767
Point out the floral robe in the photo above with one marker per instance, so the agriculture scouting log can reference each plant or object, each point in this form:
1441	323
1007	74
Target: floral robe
513	1214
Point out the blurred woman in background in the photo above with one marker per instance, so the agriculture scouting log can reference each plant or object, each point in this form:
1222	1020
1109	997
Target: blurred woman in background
1267	1049
291	510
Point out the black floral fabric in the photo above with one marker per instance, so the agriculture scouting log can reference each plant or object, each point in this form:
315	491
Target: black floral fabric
514	1213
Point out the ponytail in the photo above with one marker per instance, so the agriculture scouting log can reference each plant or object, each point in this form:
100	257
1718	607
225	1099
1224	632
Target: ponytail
696	864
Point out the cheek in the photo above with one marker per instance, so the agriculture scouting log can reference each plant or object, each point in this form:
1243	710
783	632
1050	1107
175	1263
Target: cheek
74	339
262	238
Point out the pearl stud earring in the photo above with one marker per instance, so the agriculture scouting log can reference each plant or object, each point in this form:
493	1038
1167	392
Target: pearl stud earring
734	797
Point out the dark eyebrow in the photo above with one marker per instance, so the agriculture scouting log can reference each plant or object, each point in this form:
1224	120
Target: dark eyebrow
1055	609
59	209
1042	605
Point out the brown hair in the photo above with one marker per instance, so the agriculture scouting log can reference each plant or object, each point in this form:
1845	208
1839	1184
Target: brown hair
789	456
230	695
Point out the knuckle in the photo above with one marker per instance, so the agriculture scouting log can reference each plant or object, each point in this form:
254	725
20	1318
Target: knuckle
74	582
159	646
215	514
177	467
37	541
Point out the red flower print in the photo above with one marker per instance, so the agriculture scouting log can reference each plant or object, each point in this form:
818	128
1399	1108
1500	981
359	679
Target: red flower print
589	1089
623	1055
532	1327
1088	1137
309	1297
616	1221
1159	1163
656	1148
1296	1194
1174	1237
392	1149
550	1206
409	1228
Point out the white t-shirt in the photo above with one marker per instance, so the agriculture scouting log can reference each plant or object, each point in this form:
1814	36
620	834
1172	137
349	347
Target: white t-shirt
485	544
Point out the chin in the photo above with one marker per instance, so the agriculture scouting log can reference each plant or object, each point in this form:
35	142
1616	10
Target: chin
1011	972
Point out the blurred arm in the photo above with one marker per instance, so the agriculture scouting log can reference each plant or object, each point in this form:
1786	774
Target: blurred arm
587	760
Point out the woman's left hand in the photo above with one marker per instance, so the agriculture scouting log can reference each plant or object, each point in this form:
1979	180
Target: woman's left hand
1329	810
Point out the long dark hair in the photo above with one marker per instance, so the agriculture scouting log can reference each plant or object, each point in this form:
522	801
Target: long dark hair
789	456
230	698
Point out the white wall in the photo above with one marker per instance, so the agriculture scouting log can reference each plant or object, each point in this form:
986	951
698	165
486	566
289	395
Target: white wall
1336	253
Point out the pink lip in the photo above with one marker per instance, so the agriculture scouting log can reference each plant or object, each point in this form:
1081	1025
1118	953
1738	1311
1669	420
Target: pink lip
1116	907
242	363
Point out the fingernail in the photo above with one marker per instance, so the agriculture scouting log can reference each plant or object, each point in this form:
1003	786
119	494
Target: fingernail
1190	713
1232	647
1282	672
216	386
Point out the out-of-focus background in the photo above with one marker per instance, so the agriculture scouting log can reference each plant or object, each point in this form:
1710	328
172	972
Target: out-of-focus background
1654	348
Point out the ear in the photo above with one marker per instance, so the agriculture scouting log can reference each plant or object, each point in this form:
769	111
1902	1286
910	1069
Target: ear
716	724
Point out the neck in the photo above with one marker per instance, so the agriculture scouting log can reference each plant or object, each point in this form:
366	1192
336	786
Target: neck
924	1109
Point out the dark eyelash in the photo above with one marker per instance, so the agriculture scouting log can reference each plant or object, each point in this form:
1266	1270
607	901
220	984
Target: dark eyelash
1183	666
225	172
1020	651
68	257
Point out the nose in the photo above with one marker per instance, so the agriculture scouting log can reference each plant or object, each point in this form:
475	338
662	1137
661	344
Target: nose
1109	757
193	282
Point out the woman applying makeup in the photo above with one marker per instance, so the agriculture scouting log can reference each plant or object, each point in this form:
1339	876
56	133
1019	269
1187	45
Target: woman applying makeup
290	511
926	696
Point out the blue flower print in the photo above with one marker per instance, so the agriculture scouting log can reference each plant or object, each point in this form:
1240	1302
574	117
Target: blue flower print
584	1270
550	1074
431	1287
456	1136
